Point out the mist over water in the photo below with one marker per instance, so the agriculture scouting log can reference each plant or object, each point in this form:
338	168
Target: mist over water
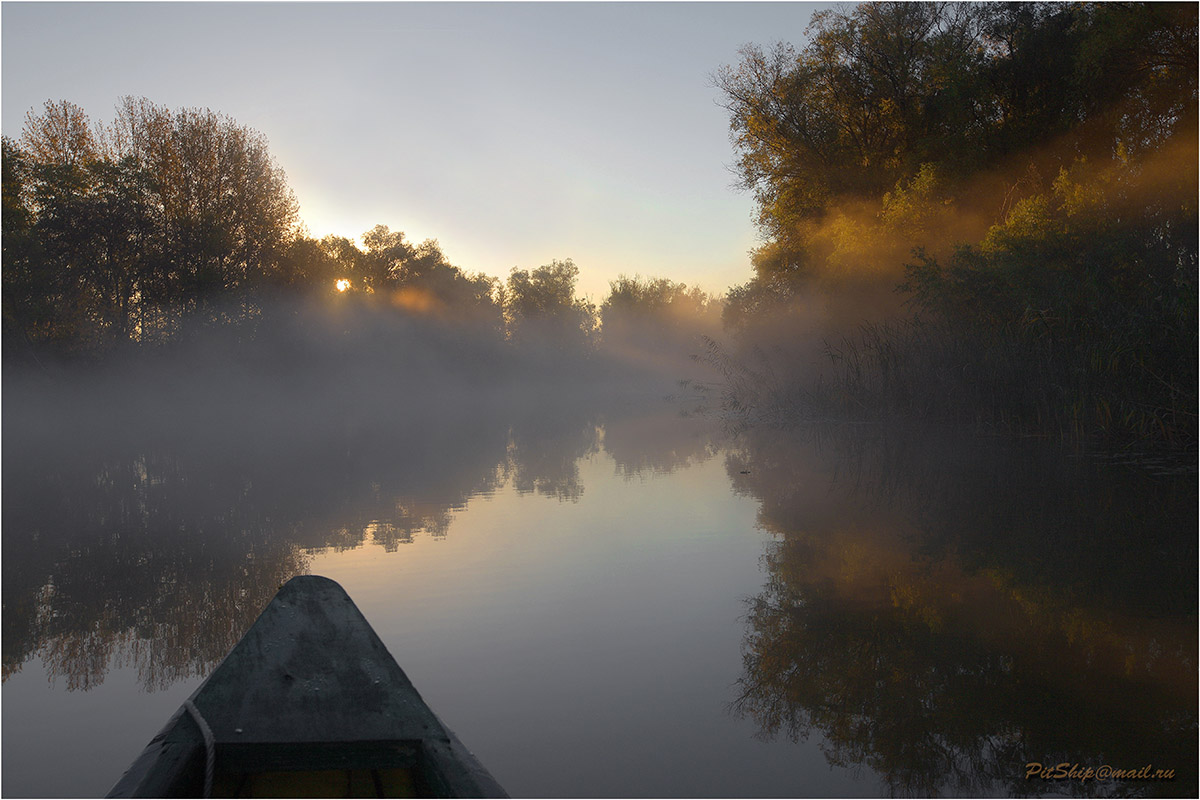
181	488
545	543
910	512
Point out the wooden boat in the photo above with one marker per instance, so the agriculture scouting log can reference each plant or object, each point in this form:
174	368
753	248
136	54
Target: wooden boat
308	703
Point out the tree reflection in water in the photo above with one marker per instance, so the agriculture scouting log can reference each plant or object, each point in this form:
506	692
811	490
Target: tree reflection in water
154	543
945	615
544	451
657	444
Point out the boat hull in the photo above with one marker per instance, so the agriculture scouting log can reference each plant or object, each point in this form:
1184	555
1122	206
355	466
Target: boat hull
310	690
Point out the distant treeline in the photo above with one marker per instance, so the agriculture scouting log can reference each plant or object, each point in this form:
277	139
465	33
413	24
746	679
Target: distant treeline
1026	174
1027	171
164	223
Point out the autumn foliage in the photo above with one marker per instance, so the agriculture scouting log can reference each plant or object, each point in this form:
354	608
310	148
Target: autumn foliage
1026	173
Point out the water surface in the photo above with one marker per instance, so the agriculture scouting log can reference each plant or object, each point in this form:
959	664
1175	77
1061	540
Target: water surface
614	600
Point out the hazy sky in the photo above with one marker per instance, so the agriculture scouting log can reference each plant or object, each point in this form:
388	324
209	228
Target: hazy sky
512	133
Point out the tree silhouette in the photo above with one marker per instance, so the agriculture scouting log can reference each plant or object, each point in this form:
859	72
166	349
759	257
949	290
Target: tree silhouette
540	307
123	232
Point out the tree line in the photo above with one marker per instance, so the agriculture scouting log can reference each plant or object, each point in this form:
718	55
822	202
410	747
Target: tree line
165	222
121	232
1026	172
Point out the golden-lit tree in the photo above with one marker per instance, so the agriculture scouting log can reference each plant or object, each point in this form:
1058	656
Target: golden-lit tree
1003	163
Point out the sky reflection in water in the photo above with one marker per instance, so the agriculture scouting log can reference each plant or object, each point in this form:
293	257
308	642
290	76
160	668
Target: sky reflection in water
608	603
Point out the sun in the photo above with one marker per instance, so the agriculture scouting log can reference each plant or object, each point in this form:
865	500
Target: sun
342	284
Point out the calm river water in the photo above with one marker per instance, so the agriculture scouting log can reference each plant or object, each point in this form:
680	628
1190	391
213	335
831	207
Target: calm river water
617	601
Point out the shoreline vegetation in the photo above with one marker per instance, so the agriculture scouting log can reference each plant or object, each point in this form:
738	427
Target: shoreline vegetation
1007	195
971	214
172	234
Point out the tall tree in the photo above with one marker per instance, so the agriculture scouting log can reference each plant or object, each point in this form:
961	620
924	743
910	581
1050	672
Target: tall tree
420	279
856	110
158	216
27	305
60	170
1038	163
540	306
884	89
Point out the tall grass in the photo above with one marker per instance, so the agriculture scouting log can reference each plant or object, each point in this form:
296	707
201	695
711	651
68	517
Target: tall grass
1018	380
752	390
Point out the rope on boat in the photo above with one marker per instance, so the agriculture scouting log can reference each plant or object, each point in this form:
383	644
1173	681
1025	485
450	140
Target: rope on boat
210	746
